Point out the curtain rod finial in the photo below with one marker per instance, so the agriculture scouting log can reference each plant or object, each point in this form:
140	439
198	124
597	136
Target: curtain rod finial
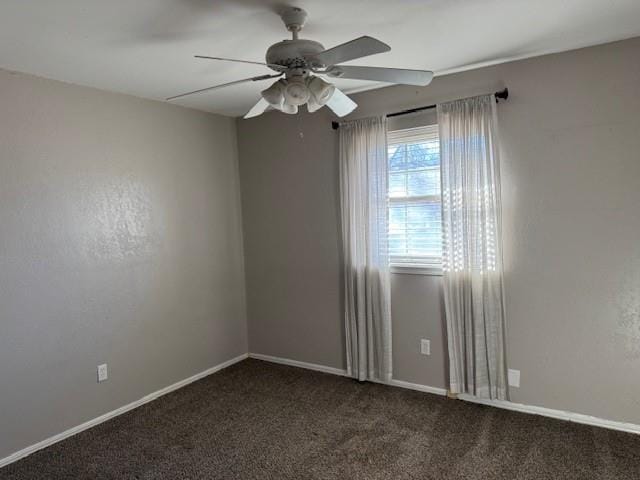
335	125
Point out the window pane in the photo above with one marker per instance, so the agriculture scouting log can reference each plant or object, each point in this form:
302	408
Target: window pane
419	215
397	245
398	184
424	229
424	182
415	225
397	217
397	158
433	154
416	156
415	229
422	155
422	245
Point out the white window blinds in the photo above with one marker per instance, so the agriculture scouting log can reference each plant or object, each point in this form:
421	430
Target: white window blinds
415	225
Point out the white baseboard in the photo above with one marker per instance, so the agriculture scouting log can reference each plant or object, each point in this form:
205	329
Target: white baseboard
416	386
518	407
552	413
343	373
118	411
296	363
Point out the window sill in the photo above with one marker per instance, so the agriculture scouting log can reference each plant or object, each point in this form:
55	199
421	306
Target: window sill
412	269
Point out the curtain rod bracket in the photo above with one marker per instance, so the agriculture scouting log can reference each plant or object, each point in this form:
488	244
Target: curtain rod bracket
501	95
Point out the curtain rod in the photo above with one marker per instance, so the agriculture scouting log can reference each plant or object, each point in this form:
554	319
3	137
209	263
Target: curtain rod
502	94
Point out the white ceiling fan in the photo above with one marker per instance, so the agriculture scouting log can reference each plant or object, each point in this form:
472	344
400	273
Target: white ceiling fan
299	63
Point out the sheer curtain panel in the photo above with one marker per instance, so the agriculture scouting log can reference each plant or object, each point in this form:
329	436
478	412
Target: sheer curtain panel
363	202
472	247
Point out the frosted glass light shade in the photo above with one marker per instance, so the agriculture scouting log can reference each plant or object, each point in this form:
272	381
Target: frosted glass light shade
321	91
290	109
274	95
296	92
312	105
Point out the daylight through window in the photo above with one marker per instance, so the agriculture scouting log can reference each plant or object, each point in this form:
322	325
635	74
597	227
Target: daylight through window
415	226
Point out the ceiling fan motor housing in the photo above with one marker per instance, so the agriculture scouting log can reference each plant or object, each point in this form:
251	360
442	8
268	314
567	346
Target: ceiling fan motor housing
292	53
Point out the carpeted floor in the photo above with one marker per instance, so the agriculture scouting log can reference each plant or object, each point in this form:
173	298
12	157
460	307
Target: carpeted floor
257	420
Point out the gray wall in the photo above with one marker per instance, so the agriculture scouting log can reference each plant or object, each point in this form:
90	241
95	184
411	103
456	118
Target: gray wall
290	222
571	197
120	242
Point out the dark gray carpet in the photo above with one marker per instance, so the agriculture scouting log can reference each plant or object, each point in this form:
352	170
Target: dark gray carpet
257	420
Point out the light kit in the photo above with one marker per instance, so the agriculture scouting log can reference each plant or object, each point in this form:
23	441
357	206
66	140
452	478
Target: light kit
287	95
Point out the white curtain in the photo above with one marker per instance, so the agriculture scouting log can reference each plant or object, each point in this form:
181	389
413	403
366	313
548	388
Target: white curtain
472	247
363	201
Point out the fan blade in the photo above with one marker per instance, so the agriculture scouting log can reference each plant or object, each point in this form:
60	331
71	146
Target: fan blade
341	104
358	48
270	65
390	75
252	79
258	109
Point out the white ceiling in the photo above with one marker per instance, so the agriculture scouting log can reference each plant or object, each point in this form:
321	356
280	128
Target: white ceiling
146	47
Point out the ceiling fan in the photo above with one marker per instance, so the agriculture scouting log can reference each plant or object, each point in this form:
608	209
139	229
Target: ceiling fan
299	63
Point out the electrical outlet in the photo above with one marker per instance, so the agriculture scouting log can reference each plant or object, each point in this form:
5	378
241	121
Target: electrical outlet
514	378
425	346
103	373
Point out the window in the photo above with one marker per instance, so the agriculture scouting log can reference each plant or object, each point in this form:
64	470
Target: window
415	224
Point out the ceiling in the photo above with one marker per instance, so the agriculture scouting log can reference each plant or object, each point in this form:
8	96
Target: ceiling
146	47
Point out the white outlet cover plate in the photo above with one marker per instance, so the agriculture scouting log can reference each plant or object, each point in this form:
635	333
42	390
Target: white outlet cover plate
514	378
103	372
425	346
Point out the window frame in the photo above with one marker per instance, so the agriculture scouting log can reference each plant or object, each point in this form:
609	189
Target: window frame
406	264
